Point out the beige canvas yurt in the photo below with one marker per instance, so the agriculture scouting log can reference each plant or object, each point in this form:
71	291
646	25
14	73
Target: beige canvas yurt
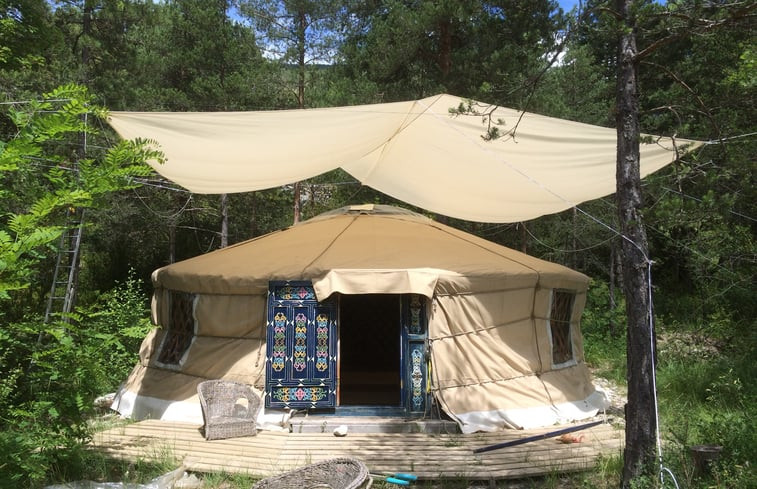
370	306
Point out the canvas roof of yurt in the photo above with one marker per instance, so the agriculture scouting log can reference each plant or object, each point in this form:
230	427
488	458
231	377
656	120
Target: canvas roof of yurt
487	321
360	250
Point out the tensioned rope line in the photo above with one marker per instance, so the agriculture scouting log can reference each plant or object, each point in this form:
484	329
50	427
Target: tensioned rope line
681	243
540	185
596	245
690	250
653	363
159	184
162	215
22	102
722	140
650	311
682	194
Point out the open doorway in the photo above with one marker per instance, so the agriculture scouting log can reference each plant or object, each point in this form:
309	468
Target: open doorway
369	349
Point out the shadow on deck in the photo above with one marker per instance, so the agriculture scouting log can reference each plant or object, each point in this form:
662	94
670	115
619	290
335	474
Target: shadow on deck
428	455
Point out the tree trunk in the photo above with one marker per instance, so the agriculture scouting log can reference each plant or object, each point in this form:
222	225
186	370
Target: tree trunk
575	238
172	241
445	46
297	210
639	453
611	289
254	215
224	220
301	26
301	45
86	32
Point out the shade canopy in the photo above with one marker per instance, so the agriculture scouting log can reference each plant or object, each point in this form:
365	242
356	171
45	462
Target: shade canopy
415	151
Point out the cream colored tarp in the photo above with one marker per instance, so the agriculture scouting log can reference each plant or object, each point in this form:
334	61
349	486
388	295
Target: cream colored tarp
488	316
414	151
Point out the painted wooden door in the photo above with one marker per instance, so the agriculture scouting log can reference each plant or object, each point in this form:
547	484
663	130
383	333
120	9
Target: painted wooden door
300	348
415	356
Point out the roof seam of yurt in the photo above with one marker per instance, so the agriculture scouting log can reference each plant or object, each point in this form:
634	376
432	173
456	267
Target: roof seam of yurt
328	246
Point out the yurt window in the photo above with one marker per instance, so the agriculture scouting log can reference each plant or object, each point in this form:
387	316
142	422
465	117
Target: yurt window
180	328
561	311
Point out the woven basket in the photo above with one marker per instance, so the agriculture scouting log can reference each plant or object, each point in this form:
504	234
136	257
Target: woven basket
337	473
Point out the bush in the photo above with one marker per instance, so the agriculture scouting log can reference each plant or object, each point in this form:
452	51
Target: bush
119	320
604	332
47	371
51	374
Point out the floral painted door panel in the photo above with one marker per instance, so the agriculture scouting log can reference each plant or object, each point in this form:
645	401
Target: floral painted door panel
300	348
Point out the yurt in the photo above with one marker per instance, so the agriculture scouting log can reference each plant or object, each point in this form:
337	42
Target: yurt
375	306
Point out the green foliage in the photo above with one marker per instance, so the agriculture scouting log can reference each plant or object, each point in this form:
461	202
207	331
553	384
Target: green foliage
710	402
24	32
603	315
42	128
118	323
743	75
51	374
604	333
49	368
706	395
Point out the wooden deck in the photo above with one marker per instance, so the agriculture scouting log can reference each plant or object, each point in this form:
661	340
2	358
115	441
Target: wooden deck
430	456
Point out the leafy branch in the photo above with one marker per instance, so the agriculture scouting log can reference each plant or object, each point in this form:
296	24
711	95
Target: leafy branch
41	128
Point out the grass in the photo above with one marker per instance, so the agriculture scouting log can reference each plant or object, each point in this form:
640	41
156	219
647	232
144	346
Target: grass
227	481
706	395
98	467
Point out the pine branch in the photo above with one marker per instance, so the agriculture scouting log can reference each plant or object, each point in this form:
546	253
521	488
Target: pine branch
695	26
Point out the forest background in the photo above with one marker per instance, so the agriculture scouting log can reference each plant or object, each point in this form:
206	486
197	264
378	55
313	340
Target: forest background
61	60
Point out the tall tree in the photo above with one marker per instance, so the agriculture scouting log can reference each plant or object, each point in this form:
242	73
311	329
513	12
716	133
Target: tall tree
208	61
668	26
299	36
33	53
641	420
490	50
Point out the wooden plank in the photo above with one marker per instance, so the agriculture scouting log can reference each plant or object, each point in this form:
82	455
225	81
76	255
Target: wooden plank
429	456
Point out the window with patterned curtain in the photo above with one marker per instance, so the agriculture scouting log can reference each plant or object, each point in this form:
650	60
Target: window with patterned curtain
560	313
180	328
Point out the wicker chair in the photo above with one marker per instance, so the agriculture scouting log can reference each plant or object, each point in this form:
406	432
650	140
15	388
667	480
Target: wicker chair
337	473
229	409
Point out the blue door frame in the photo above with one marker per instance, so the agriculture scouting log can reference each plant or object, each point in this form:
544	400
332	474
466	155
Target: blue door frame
301	352
414	354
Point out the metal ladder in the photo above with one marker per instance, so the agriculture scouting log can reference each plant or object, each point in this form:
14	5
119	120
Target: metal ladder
65	278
